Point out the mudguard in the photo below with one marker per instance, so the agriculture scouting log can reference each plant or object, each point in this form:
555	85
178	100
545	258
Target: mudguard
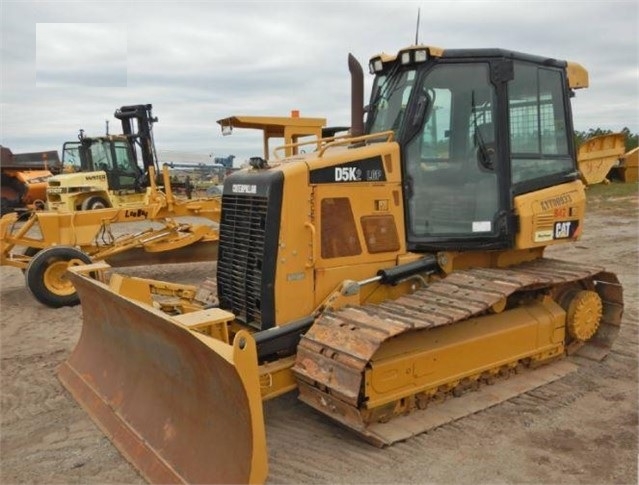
182	407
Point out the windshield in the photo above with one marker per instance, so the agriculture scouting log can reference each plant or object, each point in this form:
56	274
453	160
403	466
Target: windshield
71	159
116	159
390	97
113	155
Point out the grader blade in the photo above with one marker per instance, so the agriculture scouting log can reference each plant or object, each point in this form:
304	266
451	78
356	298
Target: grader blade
182	407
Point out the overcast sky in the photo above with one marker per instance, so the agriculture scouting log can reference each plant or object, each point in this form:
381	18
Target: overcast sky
69	65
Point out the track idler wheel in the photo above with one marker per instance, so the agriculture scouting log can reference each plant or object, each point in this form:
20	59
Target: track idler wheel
584	310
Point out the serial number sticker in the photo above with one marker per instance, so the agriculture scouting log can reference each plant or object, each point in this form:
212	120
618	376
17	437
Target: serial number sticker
295	276
482	226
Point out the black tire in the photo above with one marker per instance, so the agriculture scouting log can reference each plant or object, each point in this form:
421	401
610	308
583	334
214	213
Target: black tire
45	275
31	252
94	202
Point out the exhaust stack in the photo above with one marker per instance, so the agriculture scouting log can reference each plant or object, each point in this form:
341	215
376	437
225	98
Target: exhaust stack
357	96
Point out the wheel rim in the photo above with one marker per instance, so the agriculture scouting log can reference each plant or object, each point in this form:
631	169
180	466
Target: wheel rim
584	315
55	279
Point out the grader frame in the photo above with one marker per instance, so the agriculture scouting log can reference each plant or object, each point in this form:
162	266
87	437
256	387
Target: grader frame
48	242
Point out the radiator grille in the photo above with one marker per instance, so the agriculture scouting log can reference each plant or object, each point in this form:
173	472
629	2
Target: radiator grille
241	256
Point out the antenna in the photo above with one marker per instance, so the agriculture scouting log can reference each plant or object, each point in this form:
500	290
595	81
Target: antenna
417	28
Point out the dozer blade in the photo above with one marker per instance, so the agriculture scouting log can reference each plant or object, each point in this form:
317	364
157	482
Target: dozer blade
182	407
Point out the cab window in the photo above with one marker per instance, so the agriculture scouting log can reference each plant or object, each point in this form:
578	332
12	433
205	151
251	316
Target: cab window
538	131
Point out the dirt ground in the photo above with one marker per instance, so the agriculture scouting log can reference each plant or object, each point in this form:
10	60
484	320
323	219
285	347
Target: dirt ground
579	429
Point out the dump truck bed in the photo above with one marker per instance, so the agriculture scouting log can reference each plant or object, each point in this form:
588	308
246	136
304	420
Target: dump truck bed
45	160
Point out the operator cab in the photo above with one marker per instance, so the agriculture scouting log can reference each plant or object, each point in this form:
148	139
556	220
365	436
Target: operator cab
476	128
113	155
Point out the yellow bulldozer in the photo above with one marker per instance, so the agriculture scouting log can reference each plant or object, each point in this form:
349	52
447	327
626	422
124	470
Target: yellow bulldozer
375	274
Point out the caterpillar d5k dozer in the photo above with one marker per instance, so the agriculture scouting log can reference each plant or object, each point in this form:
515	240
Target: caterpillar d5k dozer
377	274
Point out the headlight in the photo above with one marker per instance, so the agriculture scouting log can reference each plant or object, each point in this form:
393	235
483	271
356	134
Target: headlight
411	56
421	55
376	65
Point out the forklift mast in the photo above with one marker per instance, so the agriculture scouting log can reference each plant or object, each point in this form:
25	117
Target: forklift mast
143	137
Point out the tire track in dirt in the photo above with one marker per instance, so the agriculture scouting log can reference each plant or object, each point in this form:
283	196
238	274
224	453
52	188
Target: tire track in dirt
28	385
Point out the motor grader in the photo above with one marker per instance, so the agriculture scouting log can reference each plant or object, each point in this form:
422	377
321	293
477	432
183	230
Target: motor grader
377	274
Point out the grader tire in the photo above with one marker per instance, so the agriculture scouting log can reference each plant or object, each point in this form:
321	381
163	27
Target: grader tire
46	278
31	252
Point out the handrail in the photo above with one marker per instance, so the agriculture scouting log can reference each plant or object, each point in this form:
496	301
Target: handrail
358	139
313	258
336	141
307	142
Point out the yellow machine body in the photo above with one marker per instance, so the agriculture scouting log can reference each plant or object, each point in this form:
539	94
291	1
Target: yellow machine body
109	170
72	191
337	276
